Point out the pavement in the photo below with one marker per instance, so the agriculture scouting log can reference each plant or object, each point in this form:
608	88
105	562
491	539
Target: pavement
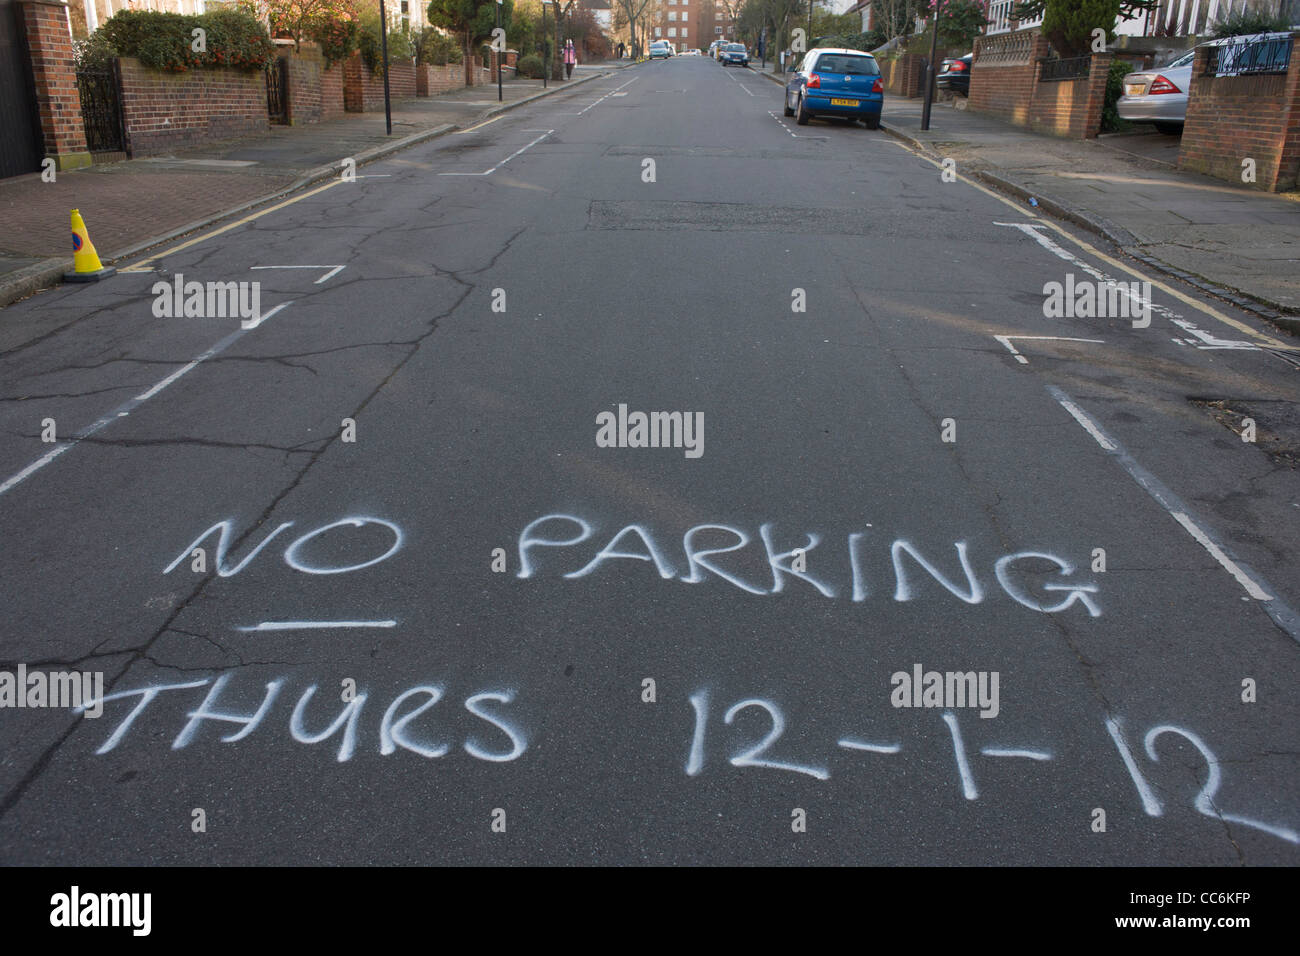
433	590
1240	243
133	205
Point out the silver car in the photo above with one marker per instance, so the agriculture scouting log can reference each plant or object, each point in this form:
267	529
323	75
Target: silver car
1159	96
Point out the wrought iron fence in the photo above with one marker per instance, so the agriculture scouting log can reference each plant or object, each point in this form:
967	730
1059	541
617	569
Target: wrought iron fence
1070	68
101	109
1256	55
277	90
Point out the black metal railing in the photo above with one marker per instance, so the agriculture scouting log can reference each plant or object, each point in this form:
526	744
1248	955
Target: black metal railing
1070	68
101	109
277	90
1257	55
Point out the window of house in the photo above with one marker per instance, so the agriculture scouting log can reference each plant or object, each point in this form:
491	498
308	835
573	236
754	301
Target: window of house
672	31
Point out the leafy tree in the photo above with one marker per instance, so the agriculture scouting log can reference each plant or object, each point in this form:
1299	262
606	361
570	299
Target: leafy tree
1246	22
300	19
1068	24
471	20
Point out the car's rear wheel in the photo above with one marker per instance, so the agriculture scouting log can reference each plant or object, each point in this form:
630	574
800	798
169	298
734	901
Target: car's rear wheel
873	121
789	111
801	114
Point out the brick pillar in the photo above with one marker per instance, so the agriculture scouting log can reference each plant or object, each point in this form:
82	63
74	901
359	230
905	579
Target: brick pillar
1089	124
55	78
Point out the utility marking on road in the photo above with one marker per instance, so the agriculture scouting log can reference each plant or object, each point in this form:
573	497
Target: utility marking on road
507	159
1006	341
959	751
1123	267
1008	752
144	264
609	94
333	271
125	409
1254	584
848	743
312	625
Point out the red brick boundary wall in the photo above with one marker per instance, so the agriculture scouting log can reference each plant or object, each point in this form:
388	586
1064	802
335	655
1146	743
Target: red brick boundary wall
315	93
432	79
904	75
1233	118
54	76
166	111
1004	72
363	91
1006	82
1072	108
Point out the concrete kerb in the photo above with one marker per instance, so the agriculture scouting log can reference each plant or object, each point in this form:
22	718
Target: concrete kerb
49	272
1122	239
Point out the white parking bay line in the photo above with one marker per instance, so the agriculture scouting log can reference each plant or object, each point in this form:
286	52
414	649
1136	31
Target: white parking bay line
126	408
507	159
1250	580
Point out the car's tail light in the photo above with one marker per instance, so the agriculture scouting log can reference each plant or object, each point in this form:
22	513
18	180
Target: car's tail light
957	66
878	86
1162	85
814	81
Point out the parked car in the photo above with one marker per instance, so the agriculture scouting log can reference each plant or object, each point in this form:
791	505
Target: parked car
735	54
836	82
1159	96
954	74
659	50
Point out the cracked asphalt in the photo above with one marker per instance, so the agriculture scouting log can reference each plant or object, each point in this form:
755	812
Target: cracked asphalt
429	601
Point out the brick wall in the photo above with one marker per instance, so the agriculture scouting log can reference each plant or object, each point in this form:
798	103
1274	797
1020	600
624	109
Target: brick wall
1005	82
315	94
903	75
1071	108
1004	73
363	92
166	111
55	79
331	92
431	79
1232	118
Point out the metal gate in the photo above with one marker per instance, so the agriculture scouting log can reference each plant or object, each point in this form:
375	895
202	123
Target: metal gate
21	143
101	109
277	90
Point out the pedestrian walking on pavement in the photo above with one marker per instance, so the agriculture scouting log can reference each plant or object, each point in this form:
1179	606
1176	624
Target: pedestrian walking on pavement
620	50
570	58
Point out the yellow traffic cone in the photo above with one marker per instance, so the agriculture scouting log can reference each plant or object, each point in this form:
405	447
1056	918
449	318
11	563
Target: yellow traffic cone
86	266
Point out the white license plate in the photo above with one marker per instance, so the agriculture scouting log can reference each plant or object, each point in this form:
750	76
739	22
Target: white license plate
844	102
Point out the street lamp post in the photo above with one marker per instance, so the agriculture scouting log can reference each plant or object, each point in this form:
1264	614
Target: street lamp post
546	46
500	53
929	69
383	43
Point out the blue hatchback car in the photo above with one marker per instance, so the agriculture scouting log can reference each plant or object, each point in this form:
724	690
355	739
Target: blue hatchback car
836	82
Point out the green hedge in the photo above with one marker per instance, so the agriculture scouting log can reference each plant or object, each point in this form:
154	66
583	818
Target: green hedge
531	67
434	46
164	41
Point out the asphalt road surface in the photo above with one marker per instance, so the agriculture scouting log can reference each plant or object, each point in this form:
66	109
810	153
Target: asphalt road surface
436	619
